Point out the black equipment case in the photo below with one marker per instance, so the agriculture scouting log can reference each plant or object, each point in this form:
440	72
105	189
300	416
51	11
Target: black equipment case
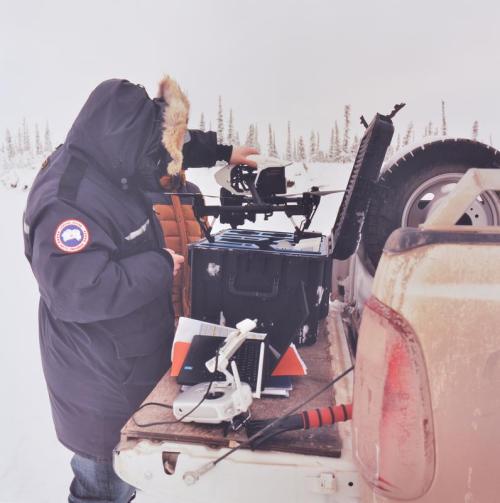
253	274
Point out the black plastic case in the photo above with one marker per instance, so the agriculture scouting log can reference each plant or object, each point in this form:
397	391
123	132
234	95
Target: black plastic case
252	274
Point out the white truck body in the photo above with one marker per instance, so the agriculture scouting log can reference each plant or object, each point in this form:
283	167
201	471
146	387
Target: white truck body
449	295
248	476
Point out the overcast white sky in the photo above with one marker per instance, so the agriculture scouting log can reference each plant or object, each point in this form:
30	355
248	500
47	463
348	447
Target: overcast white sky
270	60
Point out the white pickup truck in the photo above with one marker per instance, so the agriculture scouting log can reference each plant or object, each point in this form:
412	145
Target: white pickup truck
419	317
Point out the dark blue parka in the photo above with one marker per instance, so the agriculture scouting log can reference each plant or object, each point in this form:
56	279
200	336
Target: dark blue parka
95	247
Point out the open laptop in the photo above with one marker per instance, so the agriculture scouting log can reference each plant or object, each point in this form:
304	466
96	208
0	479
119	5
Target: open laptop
248	358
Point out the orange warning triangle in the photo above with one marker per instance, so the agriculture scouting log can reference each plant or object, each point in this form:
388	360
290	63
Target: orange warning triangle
289	365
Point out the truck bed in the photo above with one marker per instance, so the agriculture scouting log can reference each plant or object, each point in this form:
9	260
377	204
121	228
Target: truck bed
319	442
313	465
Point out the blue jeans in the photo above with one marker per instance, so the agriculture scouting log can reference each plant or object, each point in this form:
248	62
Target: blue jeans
96	482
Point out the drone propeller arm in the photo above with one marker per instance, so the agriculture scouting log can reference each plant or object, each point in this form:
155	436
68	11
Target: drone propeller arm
301	206
232	343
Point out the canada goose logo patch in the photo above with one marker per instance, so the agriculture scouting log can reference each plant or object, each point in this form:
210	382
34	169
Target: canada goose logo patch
71	236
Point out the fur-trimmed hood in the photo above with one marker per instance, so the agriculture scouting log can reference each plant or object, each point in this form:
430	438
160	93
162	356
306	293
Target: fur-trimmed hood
175	121
115	128
120	126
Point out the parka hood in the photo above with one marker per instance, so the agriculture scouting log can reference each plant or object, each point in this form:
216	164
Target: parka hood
120	127
115	128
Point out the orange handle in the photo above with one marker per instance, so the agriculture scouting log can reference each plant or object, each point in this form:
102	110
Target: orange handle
314	418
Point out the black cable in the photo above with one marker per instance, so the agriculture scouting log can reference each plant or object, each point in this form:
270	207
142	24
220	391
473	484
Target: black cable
284	416
158	404
167	406
260	441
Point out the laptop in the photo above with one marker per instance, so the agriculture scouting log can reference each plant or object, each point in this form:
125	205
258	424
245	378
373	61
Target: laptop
248	358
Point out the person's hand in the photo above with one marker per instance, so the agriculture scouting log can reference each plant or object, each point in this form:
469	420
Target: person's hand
239	156
178	260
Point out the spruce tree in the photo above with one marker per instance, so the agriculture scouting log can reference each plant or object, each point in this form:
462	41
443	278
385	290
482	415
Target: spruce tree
19	144
47	146
347	132
38	143
270	142
475	130
312	146
408	135
398	142
301	150
289	153
257	143
26	137
295	149
250	141
354	147
338	147
237	139
9	145
331	148
444	123
220	123
230	129
202	122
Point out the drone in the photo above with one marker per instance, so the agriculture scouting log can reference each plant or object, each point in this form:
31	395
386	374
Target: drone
247	192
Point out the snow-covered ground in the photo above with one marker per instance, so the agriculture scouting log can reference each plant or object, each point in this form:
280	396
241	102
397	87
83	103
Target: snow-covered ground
34	467
18	172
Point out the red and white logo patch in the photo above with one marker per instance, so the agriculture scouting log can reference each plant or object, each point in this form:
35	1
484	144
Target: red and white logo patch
71	236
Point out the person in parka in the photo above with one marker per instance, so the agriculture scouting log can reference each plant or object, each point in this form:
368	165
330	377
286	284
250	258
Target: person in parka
96	248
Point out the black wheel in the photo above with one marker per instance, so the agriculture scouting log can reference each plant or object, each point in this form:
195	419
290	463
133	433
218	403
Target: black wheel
412	186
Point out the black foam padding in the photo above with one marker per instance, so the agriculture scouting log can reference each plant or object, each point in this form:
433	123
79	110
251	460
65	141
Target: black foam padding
346	232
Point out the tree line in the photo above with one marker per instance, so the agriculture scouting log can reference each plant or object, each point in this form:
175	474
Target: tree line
341	145
340	149
27	141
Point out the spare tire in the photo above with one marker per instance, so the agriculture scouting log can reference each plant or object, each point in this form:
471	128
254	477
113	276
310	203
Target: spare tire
409	187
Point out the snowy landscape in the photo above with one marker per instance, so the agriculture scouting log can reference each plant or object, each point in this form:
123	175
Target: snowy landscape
34	467
290	77
23	150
